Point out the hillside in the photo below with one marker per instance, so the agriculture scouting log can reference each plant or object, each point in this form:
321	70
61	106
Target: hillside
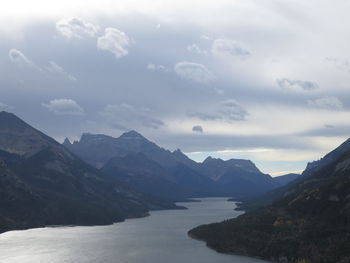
41	183
310	223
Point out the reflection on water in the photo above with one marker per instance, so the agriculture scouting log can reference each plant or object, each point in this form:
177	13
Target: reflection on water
161	237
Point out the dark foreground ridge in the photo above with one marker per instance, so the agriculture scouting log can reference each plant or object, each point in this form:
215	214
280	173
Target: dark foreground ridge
310	223
42	183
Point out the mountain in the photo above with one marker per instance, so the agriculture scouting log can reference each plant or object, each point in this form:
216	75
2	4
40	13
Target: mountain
237	176
42	183
97	149
327	159
181	176
309	223
144	165
249	203
286	178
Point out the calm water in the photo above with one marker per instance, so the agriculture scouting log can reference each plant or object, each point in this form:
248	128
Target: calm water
160	238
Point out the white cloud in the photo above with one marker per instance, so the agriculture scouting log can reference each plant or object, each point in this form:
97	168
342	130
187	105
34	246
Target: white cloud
76	28
227	47
326	102
114	41
341	64
204	37
193	71
64	107
297	84
154	67
18	58
4	106
57	69
125	117
196	49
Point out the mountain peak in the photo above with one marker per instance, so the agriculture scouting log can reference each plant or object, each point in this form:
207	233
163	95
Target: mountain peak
131	134
18	137
67	142
10	120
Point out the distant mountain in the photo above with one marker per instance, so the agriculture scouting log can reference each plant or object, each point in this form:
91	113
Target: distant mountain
143	174
179	176
142	164
252	202
310	223
286	178
237	176
42	183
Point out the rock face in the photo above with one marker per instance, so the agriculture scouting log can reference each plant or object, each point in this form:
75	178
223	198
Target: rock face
239	176
42	183
171	175
327	159
310	223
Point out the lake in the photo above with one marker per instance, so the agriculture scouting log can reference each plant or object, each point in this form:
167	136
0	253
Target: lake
159	238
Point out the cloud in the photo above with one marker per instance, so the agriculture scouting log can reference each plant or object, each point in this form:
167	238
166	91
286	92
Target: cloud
204	37
76	28
197	128
57	69
125	117
193	71
4	106
196	49
64	107
227	47
226	111
154	67
114	41
326	103
329	131
341	64
18	58
297	84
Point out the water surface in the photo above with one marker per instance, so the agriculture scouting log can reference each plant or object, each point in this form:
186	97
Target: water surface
159	238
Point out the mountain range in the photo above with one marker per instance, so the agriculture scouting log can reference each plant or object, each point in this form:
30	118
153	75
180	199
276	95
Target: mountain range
42	183
147	167
101	179
306	221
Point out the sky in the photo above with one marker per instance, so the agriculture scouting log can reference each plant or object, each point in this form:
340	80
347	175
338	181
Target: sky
265	80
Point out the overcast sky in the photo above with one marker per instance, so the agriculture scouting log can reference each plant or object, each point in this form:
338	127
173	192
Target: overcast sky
267	80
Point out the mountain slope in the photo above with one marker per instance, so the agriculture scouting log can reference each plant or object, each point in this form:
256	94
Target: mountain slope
310	223
286	179
142	164
327	159
236	176
44	184
213	177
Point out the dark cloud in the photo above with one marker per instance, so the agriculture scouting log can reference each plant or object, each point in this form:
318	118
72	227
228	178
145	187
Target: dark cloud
226	111
197	128
326	103
211	142
228	47
329	131
300	84
127	117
